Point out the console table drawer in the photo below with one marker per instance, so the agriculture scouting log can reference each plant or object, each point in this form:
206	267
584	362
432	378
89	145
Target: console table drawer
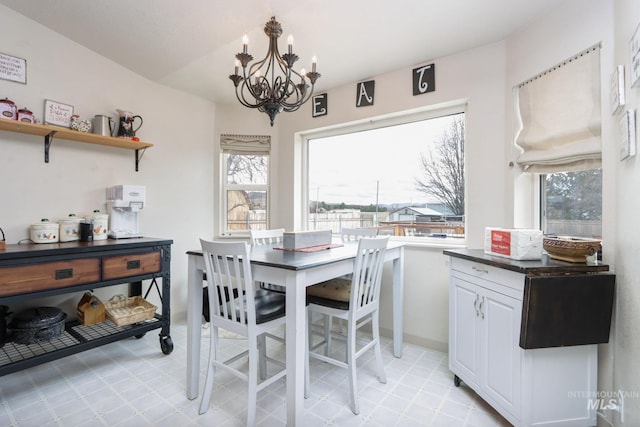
117	267
51	275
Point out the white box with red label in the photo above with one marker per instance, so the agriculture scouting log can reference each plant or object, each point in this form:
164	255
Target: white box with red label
514	243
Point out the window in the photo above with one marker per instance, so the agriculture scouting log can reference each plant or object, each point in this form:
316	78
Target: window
406	178
560	137
245	183
572	203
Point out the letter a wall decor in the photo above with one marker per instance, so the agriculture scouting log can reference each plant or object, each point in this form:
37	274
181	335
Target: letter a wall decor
424	79
365	93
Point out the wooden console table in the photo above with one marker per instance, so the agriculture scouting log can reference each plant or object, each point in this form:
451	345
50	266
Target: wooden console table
42	270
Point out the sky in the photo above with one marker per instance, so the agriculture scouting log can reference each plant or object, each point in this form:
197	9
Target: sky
348	168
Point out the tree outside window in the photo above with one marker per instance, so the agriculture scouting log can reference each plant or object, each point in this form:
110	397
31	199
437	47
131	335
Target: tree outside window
572	203
246	191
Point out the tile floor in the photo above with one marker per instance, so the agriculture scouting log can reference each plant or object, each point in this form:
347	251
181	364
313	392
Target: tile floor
131	383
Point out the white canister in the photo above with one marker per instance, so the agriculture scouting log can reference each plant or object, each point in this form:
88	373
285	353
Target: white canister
100	224
44	231
70	228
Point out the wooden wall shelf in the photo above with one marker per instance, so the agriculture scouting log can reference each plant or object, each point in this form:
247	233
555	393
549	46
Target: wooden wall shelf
48	132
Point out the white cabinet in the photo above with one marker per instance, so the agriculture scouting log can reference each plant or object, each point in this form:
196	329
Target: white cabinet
535	387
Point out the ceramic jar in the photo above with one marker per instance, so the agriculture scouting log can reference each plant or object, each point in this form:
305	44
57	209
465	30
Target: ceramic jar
100	224
44	232
70	228
8	109
25	115
80	125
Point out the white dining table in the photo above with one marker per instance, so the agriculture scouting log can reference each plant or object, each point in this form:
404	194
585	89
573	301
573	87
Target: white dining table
295	271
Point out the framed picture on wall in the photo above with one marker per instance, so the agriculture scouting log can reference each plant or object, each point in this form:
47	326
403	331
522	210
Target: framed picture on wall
617	89
634	51
13	68
57	114
627	134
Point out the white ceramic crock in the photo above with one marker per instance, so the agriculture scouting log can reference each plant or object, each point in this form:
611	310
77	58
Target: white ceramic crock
100	224
70	228
44	232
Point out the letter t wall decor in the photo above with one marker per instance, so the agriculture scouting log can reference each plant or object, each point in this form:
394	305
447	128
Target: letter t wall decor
424	79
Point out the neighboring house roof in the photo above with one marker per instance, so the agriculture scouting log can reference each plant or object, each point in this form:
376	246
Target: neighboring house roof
417	211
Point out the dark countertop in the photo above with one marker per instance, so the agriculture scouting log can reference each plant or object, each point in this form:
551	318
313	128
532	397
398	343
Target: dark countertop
31	250
535	267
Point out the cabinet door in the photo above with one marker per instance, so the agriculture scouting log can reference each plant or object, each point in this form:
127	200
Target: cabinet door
464	357
501	356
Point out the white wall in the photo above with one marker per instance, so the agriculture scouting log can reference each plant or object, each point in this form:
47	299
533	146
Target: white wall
623	358
177	171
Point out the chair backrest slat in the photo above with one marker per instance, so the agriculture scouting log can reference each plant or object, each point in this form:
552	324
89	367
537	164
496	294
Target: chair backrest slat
367	275
354	234
266	237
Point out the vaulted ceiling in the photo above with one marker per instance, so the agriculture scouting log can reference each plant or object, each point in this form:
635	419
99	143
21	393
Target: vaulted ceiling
190	45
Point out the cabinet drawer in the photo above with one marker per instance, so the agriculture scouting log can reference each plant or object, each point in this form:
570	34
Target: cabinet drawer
50	275
117	267
499	276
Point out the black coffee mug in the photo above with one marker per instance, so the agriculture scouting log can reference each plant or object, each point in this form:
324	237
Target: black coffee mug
86	231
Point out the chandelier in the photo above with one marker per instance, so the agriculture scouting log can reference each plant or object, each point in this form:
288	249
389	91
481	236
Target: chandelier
270	84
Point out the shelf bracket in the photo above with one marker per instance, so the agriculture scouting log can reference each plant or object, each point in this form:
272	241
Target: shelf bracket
139	155
48	139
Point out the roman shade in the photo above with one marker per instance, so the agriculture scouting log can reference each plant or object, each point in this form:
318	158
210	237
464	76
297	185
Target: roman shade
559	116
245	144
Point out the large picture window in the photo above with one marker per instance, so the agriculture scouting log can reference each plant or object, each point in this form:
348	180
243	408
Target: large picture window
404	178
245	183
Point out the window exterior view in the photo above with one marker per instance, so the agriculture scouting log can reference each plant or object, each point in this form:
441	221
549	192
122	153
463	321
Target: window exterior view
405	179
245	182
572	203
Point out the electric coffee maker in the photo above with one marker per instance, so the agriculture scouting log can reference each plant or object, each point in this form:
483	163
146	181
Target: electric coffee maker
123	204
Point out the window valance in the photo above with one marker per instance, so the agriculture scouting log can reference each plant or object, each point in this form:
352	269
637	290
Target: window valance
559	114
245	144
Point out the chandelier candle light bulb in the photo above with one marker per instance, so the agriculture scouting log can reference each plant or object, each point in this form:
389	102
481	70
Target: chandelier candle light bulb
273	90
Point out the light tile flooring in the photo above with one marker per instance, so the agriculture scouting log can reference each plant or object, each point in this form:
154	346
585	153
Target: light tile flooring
131	383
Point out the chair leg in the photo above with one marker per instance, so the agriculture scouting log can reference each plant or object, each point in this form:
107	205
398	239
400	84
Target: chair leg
208	384
341	325
308	343
351	366
382	377
252	382
262	355
327	334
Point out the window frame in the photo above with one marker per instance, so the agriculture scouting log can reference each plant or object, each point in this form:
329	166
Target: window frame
399	118
225	187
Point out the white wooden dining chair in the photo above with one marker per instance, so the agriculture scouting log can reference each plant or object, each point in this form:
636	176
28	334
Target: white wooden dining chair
328	289
362	308
234	306
267	237
354	234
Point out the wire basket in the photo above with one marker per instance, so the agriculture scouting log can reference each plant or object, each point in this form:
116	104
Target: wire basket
125	311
